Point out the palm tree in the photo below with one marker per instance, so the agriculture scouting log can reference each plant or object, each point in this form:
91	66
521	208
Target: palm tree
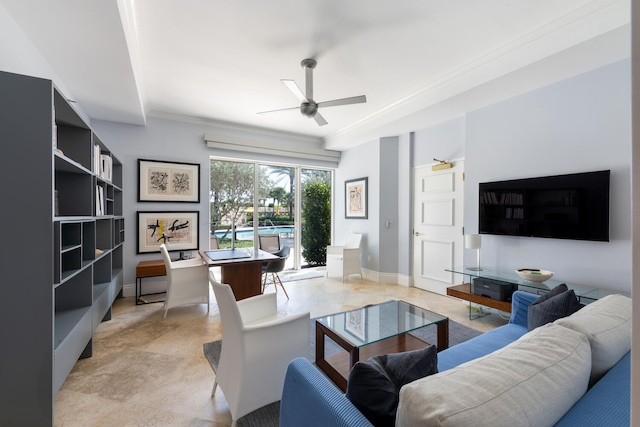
283	173
278	194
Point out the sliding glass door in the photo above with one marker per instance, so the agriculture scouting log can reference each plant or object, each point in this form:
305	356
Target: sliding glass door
231	194
248	199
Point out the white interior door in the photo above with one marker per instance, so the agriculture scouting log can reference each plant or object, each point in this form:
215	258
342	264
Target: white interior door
437	226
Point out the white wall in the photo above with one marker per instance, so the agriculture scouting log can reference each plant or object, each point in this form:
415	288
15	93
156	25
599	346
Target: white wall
18	55
577	125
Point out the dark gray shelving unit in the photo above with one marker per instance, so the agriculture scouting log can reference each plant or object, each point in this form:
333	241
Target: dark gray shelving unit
64	235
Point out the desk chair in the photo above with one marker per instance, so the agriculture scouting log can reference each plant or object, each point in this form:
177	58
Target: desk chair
187	281
269	242
274	267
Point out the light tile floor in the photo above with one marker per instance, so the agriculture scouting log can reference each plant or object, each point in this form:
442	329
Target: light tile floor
147	370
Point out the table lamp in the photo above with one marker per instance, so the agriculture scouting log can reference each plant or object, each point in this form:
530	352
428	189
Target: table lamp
473	241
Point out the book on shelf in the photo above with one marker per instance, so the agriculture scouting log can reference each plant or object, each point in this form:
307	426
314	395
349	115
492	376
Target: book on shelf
106	164
99	200
97	168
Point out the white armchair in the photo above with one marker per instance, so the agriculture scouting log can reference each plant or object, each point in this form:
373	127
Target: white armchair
187	281
345	260
257	346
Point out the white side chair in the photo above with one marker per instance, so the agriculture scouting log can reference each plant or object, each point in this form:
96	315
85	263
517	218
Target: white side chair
187	281
257	346
345	260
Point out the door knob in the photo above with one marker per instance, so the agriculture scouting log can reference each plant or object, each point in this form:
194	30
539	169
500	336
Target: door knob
418	234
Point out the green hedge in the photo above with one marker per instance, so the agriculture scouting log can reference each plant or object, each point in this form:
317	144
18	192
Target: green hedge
316	231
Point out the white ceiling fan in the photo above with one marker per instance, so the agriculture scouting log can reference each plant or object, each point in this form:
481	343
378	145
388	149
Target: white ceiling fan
308	106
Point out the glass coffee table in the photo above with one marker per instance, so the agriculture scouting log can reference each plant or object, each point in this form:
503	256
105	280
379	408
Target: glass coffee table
371	331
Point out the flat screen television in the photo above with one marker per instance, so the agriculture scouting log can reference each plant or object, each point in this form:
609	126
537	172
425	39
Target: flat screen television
573	206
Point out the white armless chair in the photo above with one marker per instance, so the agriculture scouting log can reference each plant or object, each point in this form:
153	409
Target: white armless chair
187	281
345	260
257	346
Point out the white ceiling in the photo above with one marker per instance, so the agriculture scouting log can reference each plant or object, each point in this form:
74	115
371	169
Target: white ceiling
417	61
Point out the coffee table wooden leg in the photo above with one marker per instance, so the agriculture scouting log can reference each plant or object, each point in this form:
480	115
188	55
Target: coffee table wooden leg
319	344
322	363
354	356
443	334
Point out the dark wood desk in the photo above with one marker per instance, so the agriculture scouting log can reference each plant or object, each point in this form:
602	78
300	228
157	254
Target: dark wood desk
244	275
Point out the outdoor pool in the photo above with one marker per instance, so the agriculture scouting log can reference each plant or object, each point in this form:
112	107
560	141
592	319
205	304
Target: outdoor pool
246	233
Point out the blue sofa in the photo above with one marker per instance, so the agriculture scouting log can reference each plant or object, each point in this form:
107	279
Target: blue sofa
310	399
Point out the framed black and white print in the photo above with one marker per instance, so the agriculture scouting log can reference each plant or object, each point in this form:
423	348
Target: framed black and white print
355	192
168	181
178	230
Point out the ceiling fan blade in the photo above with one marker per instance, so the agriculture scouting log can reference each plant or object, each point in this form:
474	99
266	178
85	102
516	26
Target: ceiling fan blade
343	101
293	87
319	120
281	109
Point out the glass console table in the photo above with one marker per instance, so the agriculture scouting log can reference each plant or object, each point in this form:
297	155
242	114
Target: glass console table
585	294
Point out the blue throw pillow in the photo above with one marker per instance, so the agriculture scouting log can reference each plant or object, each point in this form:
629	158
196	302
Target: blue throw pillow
557	303
374	386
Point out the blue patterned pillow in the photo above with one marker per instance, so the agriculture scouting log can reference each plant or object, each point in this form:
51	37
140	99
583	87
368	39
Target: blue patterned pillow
557	303
374	386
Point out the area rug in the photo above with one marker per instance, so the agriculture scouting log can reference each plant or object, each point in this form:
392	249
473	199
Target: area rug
268	416
293	275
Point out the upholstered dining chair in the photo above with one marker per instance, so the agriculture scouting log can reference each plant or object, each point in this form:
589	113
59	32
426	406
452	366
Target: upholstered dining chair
187	281
257	345
274	267
345	260
214	243
269	242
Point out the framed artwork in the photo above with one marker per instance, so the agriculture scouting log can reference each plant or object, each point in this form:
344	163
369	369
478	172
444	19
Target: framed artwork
179	230
355	323
355	193
168	182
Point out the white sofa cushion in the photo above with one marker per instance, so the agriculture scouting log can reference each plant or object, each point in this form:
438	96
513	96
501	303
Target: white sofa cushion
532	381
607	325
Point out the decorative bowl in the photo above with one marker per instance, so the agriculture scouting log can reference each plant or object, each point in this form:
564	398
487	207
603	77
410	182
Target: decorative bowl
534	274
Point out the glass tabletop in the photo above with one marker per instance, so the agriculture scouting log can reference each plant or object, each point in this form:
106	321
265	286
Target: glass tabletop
527	285
377	322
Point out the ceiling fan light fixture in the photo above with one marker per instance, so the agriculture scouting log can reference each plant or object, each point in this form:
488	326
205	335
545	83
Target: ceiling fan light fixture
309	109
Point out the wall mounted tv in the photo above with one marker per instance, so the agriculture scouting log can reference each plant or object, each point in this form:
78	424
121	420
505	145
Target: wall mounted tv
574	206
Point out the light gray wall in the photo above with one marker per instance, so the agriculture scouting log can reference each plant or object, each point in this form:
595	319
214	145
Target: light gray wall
388	195
577	125
166	140
404	224
359	162
635	343
444	141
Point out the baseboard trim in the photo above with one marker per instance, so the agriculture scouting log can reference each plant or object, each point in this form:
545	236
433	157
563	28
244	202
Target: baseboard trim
129	290
388	278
